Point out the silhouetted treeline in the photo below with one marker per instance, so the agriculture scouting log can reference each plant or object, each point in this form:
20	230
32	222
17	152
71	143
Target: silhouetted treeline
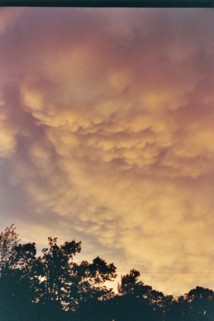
53	287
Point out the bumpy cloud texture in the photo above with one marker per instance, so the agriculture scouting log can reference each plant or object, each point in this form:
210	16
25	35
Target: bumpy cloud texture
107	135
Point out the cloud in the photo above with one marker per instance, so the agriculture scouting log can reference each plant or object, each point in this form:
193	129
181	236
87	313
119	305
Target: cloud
107	127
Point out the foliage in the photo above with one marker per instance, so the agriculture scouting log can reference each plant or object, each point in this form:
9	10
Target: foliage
54	287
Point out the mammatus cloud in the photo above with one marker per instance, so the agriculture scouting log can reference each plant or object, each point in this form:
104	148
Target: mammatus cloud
107	136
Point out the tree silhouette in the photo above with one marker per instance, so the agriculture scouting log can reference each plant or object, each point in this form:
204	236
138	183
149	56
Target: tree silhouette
130	283
201	304
92	292
52	287
137	301
9	239
56	271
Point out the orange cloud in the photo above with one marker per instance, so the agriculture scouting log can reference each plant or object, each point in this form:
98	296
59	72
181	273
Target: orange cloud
107	127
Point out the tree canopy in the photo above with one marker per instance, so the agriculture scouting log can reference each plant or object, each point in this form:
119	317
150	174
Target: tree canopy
52	286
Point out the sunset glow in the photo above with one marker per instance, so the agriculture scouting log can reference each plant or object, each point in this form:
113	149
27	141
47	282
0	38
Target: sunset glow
107	136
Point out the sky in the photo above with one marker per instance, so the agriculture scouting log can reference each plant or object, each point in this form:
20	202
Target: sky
107	136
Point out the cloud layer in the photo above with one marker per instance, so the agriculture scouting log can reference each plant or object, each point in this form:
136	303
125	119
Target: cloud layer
107	135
